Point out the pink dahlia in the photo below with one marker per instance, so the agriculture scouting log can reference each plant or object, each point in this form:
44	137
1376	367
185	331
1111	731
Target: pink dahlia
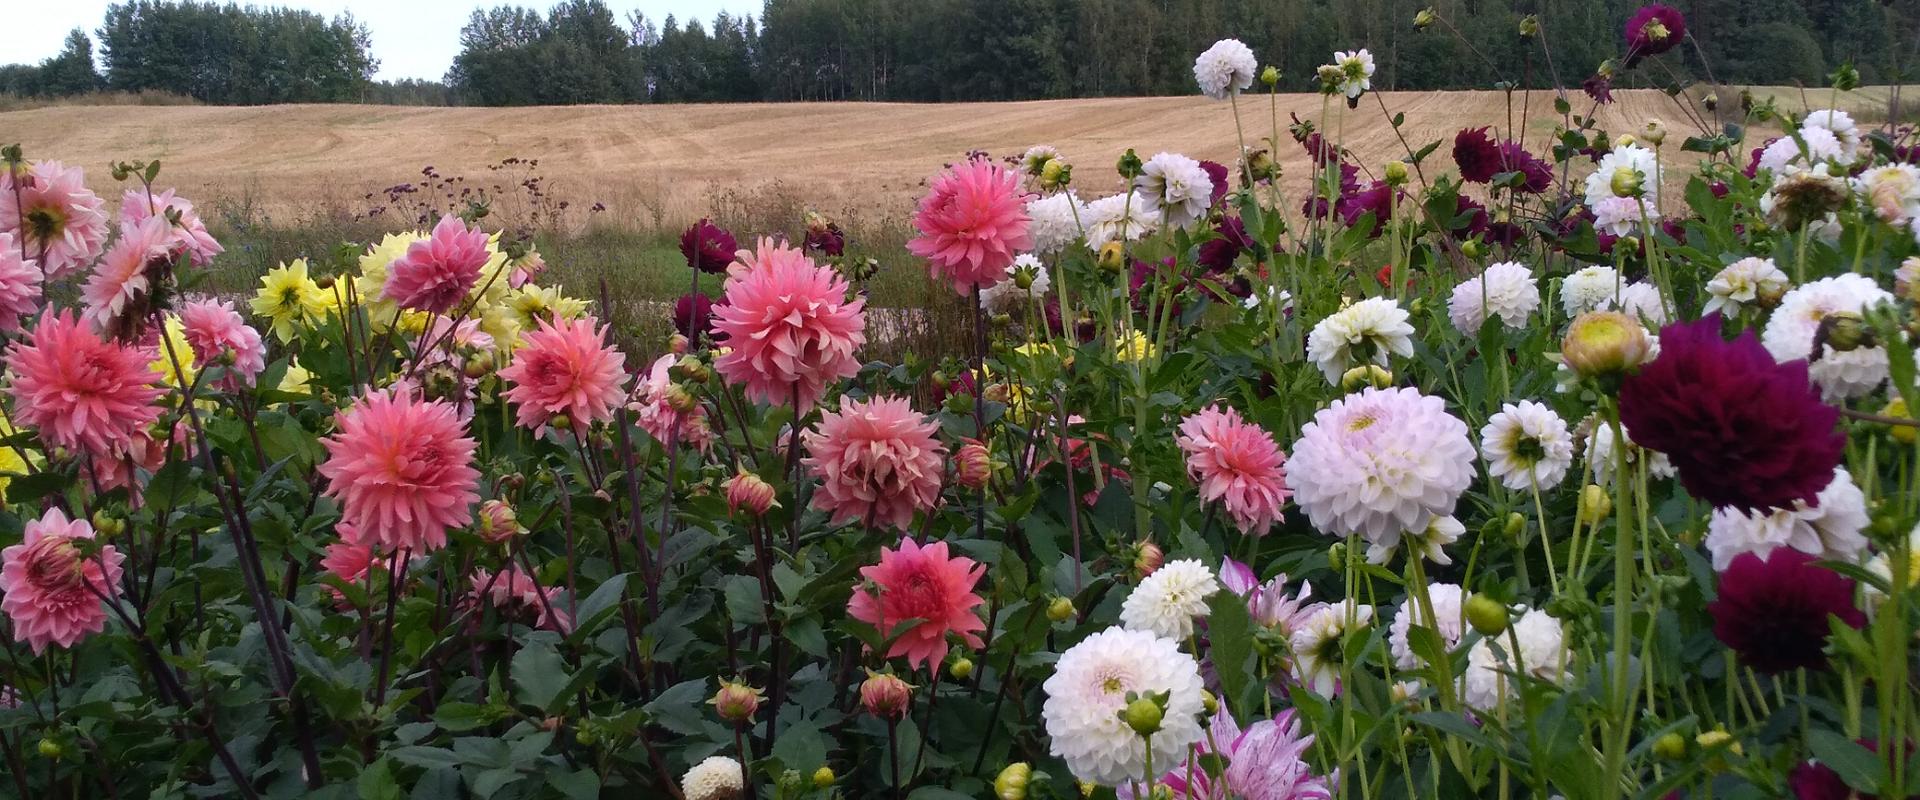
1265	761
912	582
1238	464
64	224
513	591
436	273
877	461
52	591
19	284
216	331
654	410
123	278
402	470
190	234
792	329
81	392
708	247
565	368
1773	611
972	225
350	559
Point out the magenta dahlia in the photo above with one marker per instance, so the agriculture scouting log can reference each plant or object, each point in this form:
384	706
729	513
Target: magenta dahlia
1539	173
1743	430
1773	611
708	247
1653	30
1477	154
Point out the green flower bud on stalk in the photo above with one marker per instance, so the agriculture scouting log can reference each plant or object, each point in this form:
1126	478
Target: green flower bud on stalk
1529	26
1670	746
961	669
1604	343
1270	76
823	777
1011	783
1595	505
1144	716
1060	609
1396	173
1129	165
1487	615
1424	18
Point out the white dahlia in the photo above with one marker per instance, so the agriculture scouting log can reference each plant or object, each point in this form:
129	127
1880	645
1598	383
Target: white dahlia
716	778
1789	334
1449	618
1741	284
1505	290
1367	331
1054	221
1543	655
1380	463
1786	155
1122	217
1621	216
1178	187
1527	446
1586	289
1640	300
1088	689
1035	160
1316	644
1225	68
1840	124
1599	442
1906	278
1166	602
1830	530
1007	296
1356	72
1892	191
1430	543
1629	171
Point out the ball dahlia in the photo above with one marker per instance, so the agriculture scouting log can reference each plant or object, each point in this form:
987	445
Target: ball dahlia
1120	218
1829	528
1543	655
1652	30
1527	446
1744	284
402	469
972	223
708	247
1167	601
1178	186
1505	290
715	778
1225	69
877	462
565	368
1054	221
436	274
1088	689
1477	155
81	392
913	582
1366	332
1381	463
50	591
1449	621
1589	288
63	224
1237	464
791	328
1772	610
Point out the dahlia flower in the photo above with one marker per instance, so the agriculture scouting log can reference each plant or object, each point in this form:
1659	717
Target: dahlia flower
1630	171
1218	254
1542	655
290	299
1892	191
1807	199
19	285
120	279
1588	289
1225	69
63	223
436	274
877	460
1621	216
1178	187
1089	688
1054	221
1840	124
1356	72
1317	644
565	368
1841	374
1477	155
1007	297
1830	528
402	470
1505	290
715	778
1743	284
912	582
1365	332
791	328
1237	464
1265	761
1527	446
370	287
654	412
1166	601
1429	543
1381	463
1639	300
190	234
1536	173
708	247
1773	610
1035	160
1449	621
1268	603
1792	155
971	225
49	590
1120	218
80	392
1598	444
1652	30
216	331
515	592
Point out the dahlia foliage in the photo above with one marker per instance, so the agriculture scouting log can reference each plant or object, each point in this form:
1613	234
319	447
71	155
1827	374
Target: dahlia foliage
1501	465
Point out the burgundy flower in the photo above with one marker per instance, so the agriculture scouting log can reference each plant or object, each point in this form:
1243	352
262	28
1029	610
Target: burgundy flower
708	247
1141	283
1376	198
1539	173
1217	255
1744	431
1753	158
1812	780
692	314
1469	218
825	237
1506	234
1477	154
1216	172
1653	30
1599	87
1773	612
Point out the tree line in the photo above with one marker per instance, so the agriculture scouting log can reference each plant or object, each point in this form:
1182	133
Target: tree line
581	51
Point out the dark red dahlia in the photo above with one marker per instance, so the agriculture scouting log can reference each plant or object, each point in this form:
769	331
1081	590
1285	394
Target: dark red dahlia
825	237
1744	431
1653	30
708	247
1599	87
1538	173
691	314
1753	158
1477	154
1469	218
1812	780
1376	199
1217	255
1217	173
1773	611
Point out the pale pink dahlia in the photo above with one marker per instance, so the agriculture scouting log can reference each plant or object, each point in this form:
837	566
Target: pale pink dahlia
924	584
52	592
350	559
123	278
972	225
402	470
190	234
565	367
1381	463
63	223
19	284
877	461
513	591
654	411
216	331
791	327
80	392
436	273
1238	464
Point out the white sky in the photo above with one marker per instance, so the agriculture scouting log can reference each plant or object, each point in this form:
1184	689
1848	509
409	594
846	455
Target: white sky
412	38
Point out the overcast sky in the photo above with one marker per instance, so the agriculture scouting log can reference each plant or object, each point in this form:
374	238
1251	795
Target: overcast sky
412	38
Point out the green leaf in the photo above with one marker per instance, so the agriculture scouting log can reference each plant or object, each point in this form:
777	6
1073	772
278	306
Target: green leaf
1230	633
579	785
603	599
936	793
539	674
377	783
800	747
1855	764
429	757
460	717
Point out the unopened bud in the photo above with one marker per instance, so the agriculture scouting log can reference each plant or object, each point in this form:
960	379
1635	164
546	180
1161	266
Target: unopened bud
1626	182
498	523
1670	746
1624	140
1529	26
1365	375
1655	132
1270	77
736	702
961	668
679	399
749	493
1487	615
1424	18
973	464
678	344
1208	702
1129	165
1113	256
1601	343
1055	174
1897	409
1060	609
50	749
1711	101
885	696
1516	524
1842	332
1144	716
1011	783
1396	173
823	778
1595	505
1147	558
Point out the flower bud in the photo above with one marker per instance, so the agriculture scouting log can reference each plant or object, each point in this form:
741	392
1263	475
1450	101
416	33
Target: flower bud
1330	77
1144	716
1516	524
1396	173
1129	165
560	422
1209	703
1670	746
1624	140
1846	78
750	493
1011	783
1365	375
1060	609
108	525
1842	332
1655	132
498	523
961	668
823	777
1897	409
1602	343
1529	26
679	399
1471	248
1424	18
1487	615
1023	279
1717	739
50	749
689	369
1147	558
1270	76
475	368
1626	182
736	702
1595	505
885	696
1337	554
973	464
1711	101
678	344
789	783
1112	256
1055	174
